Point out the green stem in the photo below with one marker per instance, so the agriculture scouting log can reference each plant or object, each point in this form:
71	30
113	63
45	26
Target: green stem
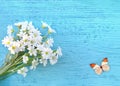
9	64
13	65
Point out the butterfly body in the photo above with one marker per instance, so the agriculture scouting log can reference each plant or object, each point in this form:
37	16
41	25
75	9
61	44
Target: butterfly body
99	69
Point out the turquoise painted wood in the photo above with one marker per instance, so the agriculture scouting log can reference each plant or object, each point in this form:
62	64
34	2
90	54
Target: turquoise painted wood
87	31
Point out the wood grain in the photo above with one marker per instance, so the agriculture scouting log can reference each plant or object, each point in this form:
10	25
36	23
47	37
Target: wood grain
87	31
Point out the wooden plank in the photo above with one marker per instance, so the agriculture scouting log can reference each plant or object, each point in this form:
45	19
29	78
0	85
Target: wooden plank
86	30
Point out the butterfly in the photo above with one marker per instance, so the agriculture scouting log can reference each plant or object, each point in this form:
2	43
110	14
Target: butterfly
99	69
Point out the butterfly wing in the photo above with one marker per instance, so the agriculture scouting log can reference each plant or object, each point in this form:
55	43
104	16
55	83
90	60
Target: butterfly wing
96	68
105	65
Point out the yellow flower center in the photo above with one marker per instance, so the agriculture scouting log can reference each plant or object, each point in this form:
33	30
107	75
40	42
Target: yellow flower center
25	40
43	26
8	42
13	47
46	53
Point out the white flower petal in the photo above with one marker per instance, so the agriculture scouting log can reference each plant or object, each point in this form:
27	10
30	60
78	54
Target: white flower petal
23	71
59	51
34	64
44	25
25	59
50	30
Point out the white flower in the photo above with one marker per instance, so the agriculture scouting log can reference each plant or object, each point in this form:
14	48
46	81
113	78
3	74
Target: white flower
40	47
25	59
14	47
43	61
35	37
30	26
23	71
49	42
25	38
22	45
38	39
53	59
35	32
50	30
22	25
32	41
44	25
46	53
32	50
10	30
34	64
21	34
59	51
18	24
7	41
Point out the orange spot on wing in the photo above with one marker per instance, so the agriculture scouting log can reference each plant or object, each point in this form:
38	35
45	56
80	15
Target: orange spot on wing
105	60
92	65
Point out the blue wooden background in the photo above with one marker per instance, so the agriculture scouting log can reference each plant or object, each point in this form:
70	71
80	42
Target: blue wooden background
87	31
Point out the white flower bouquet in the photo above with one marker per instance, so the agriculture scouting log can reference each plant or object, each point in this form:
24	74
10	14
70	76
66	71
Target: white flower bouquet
27	49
